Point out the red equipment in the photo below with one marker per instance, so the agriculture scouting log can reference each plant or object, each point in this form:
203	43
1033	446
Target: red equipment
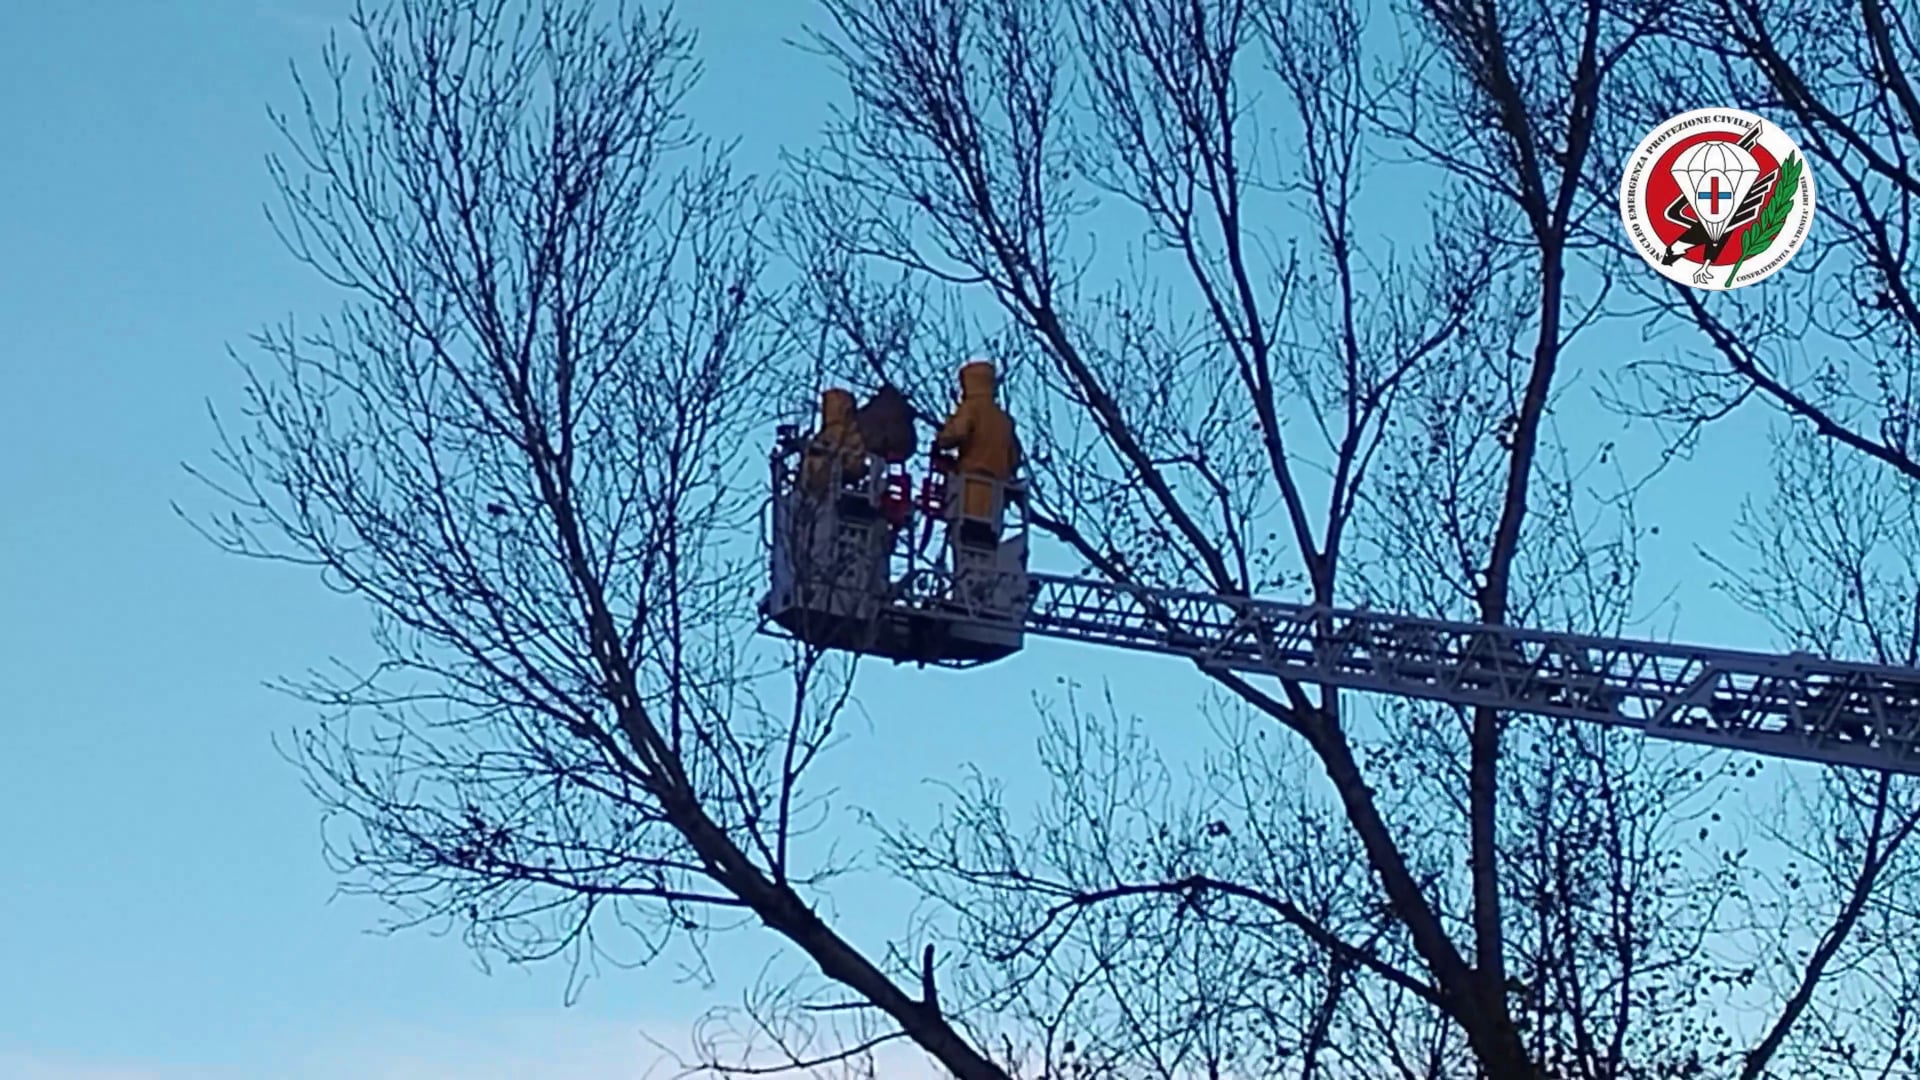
933	494
896	494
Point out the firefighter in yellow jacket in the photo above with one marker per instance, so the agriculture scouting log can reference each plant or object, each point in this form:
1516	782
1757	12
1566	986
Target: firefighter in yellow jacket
838	439
981	433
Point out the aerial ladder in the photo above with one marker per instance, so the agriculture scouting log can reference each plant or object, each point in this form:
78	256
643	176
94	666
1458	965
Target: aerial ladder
850	571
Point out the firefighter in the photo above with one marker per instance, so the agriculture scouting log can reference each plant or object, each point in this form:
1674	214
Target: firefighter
886	429
837	440
981	433
886	425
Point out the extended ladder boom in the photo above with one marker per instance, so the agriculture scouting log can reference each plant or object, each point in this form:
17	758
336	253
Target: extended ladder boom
833	585
1793	706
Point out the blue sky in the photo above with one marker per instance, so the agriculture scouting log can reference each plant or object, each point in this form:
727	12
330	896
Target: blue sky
167	913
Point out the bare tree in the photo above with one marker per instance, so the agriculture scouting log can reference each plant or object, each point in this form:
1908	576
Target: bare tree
522	442
1826	544
966	136
1834	349
1273	395
1829	559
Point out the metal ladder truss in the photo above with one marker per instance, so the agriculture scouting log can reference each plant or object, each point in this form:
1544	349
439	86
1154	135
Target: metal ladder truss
1791	706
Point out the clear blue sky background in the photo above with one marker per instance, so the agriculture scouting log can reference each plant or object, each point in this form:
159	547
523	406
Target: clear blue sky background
164	911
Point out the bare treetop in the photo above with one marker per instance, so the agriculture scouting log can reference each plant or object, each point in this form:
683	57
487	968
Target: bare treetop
527	441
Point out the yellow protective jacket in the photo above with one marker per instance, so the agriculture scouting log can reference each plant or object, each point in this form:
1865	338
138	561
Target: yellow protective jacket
838	437
982	433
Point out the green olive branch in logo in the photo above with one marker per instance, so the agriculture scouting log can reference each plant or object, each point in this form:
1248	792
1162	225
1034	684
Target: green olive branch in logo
1773	216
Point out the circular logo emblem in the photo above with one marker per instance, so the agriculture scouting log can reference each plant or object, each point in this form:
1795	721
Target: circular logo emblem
1717	199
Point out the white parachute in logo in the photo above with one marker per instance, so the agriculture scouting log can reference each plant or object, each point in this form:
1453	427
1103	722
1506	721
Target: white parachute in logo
1716	176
